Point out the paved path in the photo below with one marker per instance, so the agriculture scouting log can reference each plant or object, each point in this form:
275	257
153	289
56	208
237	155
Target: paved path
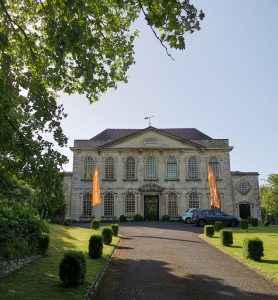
159	260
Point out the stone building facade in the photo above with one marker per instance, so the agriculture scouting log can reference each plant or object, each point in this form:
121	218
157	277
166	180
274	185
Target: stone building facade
153	172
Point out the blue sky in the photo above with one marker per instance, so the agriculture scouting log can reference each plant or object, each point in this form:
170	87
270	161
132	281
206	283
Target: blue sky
225	84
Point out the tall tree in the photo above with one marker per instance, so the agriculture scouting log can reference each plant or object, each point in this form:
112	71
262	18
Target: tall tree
269	195
74	46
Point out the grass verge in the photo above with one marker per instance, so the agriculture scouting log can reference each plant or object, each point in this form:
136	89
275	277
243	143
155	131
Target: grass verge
269	235
41	279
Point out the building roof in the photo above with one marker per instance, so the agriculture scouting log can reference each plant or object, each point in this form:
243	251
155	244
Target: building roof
109	135
239	173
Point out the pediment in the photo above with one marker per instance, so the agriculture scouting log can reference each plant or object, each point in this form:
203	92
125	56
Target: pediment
152	139
151	187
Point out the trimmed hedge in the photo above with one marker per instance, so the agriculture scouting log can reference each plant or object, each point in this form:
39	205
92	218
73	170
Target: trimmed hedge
107	234
226	237
254	222
253	248
209	230
218	225
243	224
95	224
72	268
115	229
67	221
165	218
43	243
249	219
138	217
95	246
122	218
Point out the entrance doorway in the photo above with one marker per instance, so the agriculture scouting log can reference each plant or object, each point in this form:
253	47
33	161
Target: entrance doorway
244	211
151	208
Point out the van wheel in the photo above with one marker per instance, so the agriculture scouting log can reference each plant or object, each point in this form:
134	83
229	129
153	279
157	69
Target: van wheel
233	223
188	221
201	223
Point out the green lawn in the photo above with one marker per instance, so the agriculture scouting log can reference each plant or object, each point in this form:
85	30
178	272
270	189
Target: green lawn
41	280
269	235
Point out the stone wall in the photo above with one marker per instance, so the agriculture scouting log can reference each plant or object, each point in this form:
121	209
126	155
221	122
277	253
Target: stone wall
7	266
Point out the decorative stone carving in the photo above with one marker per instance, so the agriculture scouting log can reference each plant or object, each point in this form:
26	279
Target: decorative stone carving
243	187
151	187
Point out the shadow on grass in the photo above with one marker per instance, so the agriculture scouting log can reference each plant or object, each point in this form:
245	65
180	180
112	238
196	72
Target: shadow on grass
236	247
269	261
130	282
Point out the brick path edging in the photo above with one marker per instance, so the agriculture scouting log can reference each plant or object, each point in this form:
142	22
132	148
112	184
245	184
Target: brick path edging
7	266
99	276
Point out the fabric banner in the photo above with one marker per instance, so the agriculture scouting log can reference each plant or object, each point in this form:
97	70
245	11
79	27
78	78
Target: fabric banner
96	199
214	199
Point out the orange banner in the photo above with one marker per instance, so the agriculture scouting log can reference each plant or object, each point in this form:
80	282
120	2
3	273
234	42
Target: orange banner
214	199
96	199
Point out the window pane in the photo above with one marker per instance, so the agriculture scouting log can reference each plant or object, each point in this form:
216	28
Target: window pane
88	168
193	200
108	205
214	163
87	205
172	205
192	168
109	168
151	168
130	205
130	168
172	168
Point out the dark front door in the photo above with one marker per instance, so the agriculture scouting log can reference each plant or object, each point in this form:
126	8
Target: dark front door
244	211
151	208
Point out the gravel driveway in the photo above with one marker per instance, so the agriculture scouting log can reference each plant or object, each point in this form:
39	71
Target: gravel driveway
157	260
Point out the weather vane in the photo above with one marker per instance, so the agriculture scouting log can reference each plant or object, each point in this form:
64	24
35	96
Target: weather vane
149	119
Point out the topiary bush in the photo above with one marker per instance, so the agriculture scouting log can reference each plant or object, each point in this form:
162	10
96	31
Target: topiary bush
72	268
218	225
165	218
43	243
107	234
122	218
254	222
249	219
253	248
67	221
138	217
115	229
243	224
226	237
95	224
95	246
209	230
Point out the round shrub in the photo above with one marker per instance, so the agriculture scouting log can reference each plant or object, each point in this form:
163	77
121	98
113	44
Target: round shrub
226	237
138	217
67	221
115	229
107	235
43	243
253	248
122	218
254	222
95	246
72	268
209	230
218	225
165	218
95	224
243	224
249	219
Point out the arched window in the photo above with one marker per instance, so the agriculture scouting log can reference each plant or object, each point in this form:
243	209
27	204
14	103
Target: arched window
151	170
192	168
87	205
129	204
172	205
194	200
214	163
88	166
130	168
109	172
108	205
172	169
